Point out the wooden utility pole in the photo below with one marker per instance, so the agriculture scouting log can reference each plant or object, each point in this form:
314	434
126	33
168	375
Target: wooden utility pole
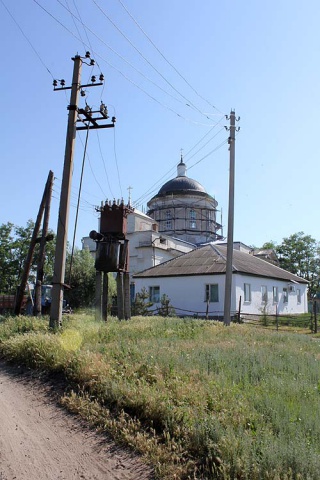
63	220
228	280
33	241
126	292
120	295
37	308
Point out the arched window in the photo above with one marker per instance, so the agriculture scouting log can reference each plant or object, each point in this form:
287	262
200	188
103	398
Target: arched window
192	216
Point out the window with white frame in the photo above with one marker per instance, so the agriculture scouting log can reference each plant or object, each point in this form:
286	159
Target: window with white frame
192	219
298	295
211	293
247	292
168	220
264	294
285	295
154	294
275	294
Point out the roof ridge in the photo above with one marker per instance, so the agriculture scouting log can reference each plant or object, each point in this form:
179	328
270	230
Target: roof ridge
214	247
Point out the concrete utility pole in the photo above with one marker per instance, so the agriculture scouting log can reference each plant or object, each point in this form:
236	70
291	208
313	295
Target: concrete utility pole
90	120
228	281
63	220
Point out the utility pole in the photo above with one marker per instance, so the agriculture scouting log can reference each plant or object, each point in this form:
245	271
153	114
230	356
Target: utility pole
85	116
33	241
63	219
37	308
228	281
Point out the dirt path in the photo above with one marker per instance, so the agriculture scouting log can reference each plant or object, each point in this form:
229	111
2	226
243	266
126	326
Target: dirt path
39	441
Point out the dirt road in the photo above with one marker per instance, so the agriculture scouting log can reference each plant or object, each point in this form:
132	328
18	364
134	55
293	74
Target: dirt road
40	441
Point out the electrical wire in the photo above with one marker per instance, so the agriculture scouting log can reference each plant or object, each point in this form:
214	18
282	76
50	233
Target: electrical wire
120	72
189	103
116	159
122	58
166	175
165	58
152	190
93	174
79	19
104	164
78	202
201	139
27	39
75	24
210	139
210	153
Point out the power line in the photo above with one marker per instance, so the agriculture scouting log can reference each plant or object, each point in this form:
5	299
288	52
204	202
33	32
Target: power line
189	103
93	174
165	176
210	139
27	39
116	159
104	165
201	139
119	71
210	153
152	190
165	58
131	65
74	23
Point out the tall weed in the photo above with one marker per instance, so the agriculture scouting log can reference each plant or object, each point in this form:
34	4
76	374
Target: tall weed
227	403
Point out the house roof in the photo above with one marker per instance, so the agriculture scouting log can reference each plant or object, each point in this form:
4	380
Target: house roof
211	260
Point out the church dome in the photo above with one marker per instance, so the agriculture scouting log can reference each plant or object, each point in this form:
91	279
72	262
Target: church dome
182	183
183	209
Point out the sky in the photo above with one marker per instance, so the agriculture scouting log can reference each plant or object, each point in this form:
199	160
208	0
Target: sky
173	71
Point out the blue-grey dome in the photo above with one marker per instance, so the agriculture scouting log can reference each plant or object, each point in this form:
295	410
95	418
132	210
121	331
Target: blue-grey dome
181	184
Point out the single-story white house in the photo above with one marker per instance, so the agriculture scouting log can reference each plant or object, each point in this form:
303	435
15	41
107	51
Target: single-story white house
195	283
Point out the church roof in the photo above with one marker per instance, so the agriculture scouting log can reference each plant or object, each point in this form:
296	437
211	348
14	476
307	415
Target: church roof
181	184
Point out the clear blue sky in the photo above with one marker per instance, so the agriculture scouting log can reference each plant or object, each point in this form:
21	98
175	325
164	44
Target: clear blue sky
259	58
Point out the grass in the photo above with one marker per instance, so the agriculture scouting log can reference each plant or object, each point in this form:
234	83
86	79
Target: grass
196	399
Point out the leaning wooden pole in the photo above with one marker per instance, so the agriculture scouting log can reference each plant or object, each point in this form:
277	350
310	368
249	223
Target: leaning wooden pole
42	251
28	261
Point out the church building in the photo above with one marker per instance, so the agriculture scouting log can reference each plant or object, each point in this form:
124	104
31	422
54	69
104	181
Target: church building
183	209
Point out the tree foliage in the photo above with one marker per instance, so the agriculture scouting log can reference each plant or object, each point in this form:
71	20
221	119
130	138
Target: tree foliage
300	254
14	246
82	280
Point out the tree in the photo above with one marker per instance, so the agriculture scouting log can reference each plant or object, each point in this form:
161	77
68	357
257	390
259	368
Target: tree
271	245
7	268
81	279
141	305
166	310
300	254
14	246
